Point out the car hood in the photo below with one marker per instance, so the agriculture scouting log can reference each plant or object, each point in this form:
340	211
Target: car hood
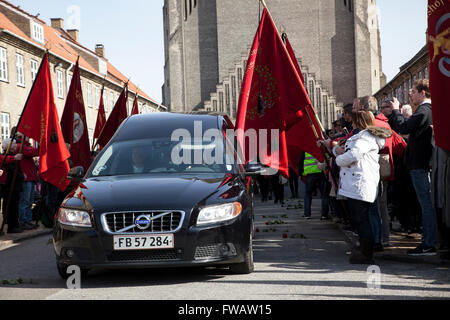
134	193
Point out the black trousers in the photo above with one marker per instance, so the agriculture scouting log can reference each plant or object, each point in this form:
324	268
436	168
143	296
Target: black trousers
293	183
359	211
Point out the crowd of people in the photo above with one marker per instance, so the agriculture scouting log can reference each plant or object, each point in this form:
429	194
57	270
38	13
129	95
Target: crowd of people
383	165
27	200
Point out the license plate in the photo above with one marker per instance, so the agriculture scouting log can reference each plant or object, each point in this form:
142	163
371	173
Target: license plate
161	241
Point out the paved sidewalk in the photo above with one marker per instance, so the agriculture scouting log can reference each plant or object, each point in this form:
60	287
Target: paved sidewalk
7	240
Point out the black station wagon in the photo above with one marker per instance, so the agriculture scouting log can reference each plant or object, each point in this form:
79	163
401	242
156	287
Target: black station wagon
154	198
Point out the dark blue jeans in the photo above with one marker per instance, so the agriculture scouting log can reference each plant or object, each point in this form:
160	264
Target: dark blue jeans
313	180
422	185
26	202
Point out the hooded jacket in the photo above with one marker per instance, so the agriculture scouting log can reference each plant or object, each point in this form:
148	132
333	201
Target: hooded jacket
360	171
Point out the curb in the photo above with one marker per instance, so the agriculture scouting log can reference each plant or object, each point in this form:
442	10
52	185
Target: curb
399	257
9	240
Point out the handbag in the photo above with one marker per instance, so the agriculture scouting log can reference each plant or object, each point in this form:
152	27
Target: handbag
385	166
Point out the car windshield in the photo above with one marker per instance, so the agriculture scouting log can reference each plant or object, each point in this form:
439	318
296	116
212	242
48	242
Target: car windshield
152	156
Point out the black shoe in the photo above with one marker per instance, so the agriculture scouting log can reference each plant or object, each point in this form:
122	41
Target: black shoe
322	218
15	230
26	227
422	250
378	247
359	258
307	217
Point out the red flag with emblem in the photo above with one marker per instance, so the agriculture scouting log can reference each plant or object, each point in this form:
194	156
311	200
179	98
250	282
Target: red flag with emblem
273	98
439	50
74	124
117	116
40	122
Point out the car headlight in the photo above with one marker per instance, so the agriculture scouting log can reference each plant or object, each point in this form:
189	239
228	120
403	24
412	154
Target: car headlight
74	218
219	213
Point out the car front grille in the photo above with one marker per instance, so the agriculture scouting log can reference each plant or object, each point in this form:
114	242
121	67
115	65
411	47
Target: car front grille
168	221
145	255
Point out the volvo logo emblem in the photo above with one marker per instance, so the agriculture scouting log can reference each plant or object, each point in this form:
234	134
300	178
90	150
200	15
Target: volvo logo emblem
143	222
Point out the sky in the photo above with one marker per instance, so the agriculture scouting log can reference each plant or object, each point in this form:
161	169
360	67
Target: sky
132	33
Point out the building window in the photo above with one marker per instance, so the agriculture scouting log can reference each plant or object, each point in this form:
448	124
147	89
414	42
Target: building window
111	101
89	94
60	89
185	10
37	32
3	65
34	69
220	101
69	80
227	98
311	91
195	3
19	70
239	78
319	101
97	97
105	101
6	132
233	96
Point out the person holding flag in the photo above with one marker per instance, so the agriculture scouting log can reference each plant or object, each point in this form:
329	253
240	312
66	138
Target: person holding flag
273	98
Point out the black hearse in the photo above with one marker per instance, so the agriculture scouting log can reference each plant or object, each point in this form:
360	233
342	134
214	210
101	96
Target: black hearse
154	198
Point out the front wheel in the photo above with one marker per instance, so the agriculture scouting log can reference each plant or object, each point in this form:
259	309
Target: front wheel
247	266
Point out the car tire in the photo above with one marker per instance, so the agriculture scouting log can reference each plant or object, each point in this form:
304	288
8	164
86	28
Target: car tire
247	266
62	270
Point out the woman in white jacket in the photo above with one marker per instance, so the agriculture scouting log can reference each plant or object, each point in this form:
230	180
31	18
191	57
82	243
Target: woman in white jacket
360	176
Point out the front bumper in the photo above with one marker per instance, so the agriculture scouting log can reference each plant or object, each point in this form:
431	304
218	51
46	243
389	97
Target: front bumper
88	248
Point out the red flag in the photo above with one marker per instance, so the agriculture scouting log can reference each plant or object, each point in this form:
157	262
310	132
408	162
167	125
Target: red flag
117	116
101	117
74	124
135	106
439	50
295	145
40	122
290	50
272	97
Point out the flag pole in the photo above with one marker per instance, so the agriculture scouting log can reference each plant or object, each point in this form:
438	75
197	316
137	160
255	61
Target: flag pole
298	76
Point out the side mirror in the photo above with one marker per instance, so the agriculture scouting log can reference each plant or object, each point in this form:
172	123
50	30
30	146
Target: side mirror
76	174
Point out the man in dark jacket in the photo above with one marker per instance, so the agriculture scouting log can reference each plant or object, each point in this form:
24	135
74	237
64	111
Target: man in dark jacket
418	157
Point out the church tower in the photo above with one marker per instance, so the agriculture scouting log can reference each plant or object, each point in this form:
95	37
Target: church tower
207	43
